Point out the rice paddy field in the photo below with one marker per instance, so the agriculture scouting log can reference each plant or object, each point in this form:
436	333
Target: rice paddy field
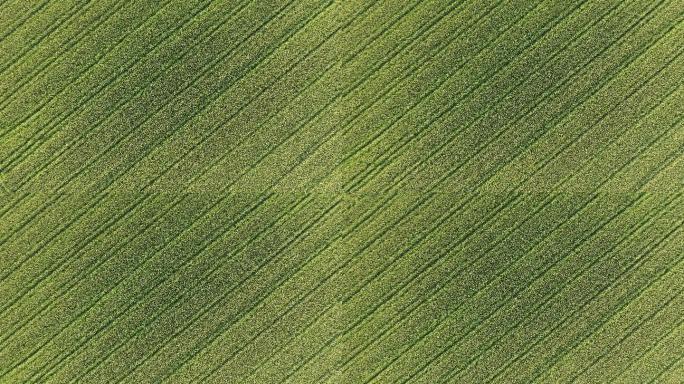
341	191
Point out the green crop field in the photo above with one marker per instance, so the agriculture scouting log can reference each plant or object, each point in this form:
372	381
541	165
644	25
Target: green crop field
341	191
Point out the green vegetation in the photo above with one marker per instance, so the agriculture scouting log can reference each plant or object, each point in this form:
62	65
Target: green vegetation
305	191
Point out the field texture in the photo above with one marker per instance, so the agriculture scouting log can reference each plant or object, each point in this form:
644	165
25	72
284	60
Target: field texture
341	191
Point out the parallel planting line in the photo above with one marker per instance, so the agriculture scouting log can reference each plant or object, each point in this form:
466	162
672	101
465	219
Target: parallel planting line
71	47
322	191
453	372
47	63
548	93
631	267
626	335
642	226
676	333
23	20
159	72
193	15
40	137
364	217
69	179
653	175
109	186
545	268
299	205
76	9
481	116
103	294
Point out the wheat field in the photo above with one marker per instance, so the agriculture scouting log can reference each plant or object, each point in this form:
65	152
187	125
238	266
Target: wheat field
341	191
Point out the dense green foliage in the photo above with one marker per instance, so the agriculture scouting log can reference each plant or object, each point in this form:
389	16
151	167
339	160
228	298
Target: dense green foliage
305	191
